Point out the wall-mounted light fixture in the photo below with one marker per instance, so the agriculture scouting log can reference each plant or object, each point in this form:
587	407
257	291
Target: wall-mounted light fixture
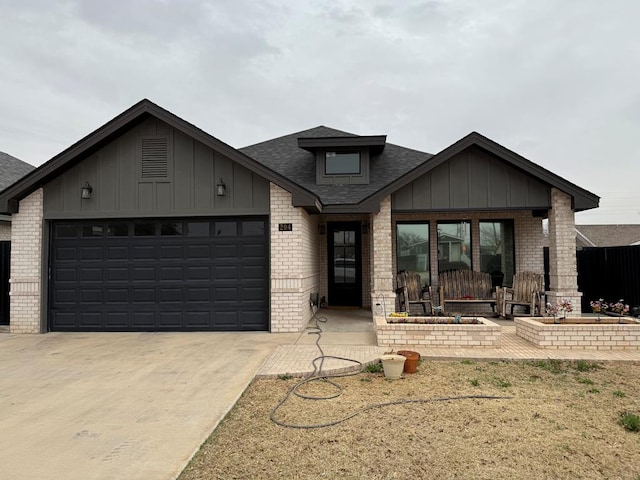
221	189
321	229
86	191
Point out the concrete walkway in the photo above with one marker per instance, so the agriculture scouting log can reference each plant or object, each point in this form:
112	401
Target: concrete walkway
80	406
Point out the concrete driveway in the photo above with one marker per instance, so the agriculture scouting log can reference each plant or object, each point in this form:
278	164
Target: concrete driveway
118	405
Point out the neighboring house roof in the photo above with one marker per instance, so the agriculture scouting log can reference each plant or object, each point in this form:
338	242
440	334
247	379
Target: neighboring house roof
12	169
284	156
607	235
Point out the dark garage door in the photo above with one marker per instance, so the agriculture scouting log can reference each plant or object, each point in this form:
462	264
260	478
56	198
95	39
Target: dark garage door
159	275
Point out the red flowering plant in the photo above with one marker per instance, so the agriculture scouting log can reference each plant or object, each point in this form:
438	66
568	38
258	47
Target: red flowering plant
599	306
560	309
620	307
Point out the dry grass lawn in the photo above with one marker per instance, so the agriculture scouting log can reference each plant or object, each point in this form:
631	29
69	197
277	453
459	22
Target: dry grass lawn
562	422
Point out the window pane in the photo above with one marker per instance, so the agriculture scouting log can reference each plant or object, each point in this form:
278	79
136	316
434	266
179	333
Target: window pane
144	229
226	229
342	163
253	228
92	230
412	249
344	270
66	231
170	228
344	256
117	230
454	246
497	251
198	229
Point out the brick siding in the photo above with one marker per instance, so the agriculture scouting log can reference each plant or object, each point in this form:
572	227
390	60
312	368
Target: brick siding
295	273
26	266
382	257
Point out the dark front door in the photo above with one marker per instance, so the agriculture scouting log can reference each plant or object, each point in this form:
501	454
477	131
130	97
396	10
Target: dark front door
345	266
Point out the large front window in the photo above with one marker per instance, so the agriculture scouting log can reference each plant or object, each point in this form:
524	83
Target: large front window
454	246
497	251
412	249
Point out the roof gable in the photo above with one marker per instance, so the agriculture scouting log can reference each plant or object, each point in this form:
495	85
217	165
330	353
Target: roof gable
582	199
136	114
473	180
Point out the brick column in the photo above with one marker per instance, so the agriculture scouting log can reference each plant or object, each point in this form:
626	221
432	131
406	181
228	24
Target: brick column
381	255
295	272
25	314
563	273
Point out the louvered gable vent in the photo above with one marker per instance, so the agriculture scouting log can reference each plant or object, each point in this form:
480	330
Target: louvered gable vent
154	157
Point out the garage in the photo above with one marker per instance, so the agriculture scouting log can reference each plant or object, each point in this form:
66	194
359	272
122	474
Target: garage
193	274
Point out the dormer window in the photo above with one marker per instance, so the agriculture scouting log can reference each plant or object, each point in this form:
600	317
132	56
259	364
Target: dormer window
342	163
343	160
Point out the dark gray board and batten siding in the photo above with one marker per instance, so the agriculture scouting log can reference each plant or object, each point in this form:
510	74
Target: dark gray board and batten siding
473	180
121	191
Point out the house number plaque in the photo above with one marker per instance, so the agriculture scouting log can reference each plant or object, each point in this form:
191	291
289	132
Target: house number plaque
285	227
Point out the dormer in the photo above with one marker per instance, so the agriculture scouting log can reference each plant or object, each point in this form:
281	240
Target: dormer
343	160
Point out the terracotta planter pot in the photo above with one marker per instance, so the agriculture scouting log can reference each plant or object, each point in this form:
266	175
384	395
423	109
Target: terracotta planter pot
411	364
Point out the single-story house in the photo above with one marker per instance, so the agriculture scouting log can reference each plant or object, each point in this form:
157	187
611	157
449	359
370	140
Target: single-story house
11	169
150	223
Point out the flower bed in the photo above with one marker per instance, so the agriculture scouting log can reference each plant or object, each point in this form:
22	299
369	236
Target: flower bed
417	332
435	320
581	333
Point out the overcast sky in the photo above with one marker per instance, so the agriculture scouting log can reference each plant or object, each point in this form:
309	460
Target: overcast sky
557	81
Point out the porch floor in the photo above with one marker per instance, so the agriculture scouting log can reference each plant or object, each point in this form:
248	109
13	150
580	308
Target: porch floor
350	334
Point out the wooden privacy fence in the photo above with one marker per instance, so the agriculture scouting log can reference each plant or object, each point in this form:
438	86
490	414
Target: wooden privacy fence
610	273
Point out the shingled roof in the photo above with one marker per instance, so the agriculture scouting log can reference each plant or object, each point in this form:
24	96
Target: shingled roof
283	155
283	162
12	169
607	235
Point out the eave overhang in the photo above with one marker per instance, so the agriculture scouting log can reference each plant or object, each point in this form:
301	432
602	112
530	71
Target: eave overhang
375	143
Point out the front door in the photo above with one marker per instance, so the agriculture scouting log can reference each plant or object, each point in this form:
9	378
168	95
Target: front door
345	265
